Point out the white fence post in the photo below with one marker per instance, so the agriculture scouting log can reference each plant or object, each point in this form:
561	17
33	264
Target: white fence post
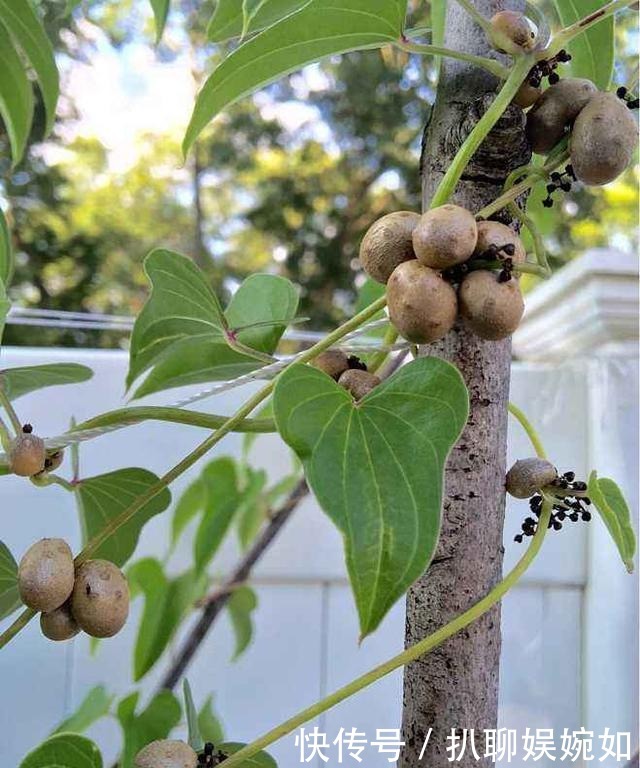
588	312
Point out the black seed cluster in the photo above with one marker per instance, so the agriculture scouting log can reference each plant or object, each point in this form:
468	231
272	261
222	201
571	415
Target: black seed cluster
500	253
569	507
633	102
563	181
547	68
355	362
210	756
27	429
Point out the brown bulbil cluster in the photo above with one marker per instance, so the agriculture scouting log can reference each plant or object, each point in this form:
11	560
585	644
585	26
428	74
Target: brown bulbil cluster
603	135
94	597
350	372
448	248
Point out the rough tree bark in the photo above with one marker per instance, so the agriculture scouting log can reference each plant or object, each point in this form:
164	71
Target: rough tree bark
456	686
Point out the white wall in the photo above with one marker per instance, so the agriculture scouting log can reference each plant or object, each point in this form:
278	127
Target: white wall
570	627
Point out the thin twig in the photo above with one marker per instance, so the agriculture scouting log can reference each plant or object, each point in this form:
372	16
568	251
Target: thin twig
218	599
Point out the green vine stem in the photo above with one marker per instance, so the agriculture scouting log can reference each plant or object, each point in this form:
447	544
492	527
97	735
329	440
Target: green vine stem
407	656
388	341
5	436
481	130
428	643
9	409
135	415
544	270
181	467
492	66
522	187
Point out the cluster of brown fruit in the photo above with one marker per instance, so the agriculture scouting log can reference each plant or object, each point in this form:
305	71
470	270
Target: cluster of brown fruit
350	372
94	597
603	132
422	259
28	456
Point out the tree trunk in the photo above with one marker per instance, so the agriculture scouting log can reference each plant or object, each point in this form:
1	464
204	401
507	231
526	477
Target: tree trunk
456	686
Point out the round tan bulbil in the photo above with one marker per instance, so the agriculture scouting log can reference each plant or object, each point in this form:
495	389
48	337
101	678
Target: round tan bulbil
527	476
387	243
46	575
603	140
27	455
333	362
445	236
491	309
494	233
513	32
100	598
422	305
166	753
59	624
358	382
555	111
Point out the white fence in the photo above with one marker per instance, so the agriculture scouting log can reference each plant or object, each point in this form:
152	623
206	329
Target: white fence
570	655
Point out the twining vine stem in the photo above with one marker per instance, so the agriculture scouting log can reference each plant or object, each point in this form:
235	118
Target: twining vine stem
424	646
517	75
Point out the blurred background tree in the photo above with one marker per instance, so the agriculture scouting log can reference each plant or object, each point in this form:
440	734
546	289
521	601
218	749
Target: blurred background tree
287	181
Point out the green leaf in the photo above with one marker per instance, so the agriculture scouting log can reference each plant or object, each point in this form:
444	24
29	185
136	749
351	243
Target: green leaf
223	498
157	721
65	750
377	468
195	739
261	760
166	602
24	26
104	497
253	507
95	705
17	382
6	252
160	13
592	52
614	510
320	28
5	306
209	723
189	505
9	596
241	606
181	331
16	96
228	18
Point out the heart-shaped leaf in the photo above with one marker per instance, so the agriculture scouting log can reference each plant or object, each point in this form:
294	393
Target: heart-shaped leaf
5	306
233	18
95	705
65	750
16	96
614	510
166	601
209	723
593	51
103	497
17	382
241	605
23	24
376	468
9	596
181	332
6	255
320	28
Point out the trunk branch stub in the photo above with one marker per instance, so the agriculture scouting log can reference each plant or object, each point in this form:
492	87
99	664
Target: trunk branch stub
456	686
